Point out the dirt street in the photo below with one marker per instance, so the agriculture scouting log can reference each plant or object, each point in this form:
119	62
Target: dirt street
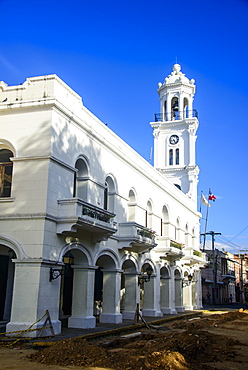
207	342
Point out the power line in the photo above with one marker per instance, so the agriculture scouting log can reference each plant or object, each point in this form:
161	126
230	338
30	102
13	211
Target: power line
240	232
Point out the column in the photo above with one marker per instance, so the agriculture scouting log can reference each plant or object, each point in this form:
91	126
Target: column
33	294
82	298
187	297
131	296
178	295
165	295
151	306
111	297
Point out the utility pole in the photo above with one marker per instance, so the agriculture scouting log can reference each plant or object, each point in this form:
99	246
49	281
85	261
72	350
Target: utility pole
214	258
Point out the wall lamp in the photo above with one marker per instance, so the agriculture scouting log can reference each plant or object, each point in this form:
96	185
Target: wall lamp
55	273
68	259
145	278
187	282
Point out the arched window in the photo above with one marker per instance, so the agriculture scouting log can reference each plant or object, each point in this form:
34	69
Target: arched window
171	157
131	206
174	109
185	108
177	156
109	194
148	220
105	201
81	180
165	222
6	168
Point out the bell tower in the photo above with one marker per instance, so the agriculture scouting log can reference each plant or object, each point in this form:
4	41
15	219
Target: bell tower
174	131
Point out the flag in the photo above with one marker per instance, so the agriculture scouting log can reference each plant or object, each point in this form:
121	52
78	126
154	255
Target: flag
211	196
204	201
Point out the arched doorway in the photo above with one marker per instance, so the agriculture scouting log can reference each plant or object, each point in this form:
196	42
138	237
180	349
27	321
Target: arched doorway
164	290
178	291
108	280
7	271
77	287
129	289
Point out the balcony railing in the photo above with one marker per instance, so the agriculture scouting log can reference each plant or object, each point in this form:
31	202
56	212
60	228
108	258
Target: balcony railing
74	214
98	214
174	244
175	115
135	237
145	232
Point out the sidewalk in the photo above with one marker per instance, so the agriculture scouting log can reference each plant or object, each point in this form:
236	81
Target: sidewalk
129	326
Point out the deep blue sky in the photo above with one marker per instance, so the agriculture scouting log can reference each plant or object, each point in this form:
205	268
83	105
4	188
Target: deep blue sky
113	54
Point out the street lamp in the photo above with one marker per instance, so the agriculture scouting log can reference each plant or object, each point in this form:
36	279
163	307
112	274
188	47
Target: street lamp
145	278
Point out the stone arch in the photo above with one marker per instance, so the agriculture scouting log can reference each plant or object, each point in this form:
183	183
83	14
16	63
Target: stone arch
14	245
5	144
76	246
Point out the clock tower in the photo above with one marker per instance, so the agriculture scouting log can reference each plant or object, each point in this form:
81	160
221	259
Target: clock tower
174	131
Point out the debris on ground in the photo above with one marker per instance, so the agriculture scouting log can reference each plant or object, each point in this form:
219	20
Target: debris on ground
199	344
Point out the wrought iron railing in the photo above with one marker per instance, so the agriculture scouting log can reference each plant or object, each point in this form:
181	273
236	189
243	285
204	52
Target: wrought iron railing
175	115
101	215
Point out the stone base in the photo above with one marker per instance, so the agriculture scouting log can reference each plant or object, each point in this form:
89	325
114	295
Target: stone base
111	318
188	307
82	322
17	326
168	311
128	315
180	309
151	313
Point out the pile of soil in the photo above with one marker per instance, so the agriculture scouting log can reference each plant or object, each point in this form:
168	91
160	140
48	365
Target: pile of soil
196	344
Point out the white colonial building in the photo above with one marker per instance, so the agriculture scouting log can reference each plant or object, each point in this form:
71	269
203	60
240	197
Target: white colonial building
84	218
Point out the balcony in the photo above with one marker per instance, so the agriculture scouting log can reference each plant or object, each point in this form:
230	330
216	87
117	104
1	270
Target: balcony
169	249
194	256
76	214
135	238
175	115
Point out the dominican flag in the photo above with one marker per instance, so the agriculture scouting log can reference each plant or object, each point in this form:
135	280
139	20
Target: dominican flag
211	196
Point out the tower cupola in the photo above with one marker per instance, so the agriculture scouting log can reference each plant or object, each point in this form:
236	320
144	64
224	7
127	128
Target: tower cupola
174	131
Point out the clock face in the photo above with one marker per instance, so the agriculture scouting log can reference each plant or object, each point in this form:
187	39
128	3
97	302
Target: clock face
174	139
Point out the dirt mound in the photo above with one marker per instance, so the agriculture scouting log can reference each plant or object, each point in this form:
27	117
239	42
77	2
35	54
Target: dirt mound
188	347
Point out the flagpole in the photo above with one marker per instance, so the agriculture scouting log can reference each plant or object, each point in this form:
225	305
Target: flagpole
206	223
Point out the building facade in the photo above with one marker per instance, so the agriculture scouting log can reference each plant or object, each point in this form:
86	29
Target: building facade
83	216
